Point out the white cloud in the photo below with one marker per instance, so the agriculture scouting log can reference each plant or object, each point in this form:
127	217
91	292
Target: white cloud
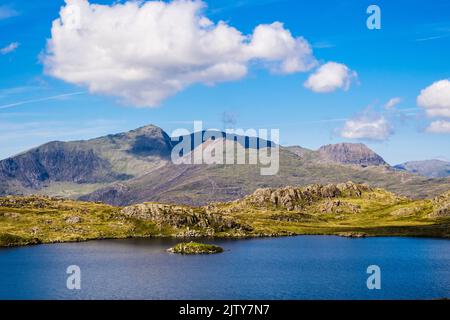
367	126
7	12
440	126
392	103
435	99
55	97
144	52
9	48
330	77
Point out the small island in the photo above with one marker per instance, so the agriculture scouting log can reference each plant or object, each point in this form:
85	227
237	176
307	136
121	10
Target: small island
195	248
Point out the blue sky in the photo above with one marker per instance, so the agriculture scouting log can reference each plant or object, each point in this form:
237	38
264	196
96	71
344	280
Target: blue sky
408	54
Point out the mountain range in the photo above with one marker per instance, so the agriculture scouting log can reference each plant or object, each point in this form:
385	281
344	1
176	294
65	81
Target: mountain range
427	168
135	166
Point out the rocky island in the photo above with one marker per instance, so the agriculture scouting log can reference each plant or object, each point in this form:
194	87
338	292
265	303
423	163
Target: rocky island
195	248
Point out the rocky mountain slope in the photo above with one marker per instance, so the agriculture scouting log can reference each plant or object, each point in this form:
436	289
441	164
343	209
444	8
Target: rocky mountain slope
202	184
351	153
135	166
95	162
427	168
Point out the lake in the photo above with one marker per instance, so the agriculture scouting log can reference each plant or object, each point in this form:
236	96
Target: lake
303	267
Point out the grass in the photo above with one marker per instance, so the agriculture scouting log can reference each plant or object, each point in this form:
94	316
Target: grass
69	189
195	248
37	219
381	214
27	224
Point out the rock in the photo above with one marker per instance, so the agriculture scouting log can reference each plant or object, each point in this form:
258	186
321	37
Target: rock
73	220
295	199
352	234
442	211
188	233
441	206
338	206
183	216
33	202
12	215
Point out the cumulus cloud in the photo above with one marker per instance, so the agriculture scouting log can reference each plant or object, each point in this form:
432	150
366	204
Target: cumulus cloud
367	126
330	77
144	52
9	48
392	102
440	126
435	99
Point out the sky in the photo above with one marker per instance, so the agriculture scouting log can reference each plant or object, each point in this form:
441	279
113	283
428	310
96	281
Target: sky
312	69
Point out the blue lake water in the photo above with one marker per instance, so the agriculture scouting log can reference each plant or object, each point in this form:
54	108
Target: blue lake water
304	267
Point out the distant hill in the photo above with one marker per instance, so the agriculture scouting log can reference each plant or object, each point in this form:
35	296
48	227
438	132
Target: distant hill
427	168
135	166
351	153
343	153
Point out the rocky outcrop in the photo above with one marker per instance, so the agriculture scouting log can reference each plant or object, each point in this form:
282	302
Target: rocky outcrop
441	206
352	234
291	198
73	220
350	153
181	216
338	206
34	202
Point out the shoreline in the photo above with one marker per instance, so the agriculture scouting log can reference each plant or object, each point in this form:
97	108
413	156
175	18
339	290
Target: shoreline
223	238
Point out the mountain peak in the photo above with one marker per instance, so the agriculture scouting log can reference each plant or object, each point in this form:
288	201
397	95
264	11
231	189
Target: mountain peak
150	140
149	129
351	153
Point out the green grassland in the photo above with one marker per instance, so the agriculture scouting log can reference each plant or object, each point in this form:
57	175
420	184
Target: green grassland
344	209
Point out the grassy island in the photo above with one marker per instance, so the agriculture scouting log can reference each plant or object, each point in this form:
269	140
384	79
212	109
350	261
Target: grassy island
195	248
